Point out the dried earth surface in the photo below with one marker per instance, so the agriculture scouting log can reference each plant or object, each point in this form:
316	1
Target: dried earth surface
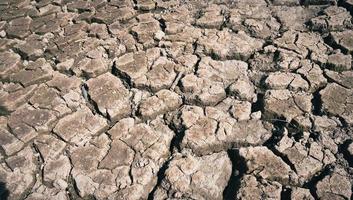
176	99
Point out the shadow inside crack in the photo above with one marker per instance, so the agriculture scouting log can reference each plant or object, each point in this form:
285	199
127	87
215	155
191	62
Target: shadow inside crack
4	111
238	170
4	192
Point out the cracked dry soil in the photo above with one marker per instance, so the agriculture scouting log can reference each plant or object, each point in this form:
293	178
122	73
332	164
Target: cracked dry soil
178	99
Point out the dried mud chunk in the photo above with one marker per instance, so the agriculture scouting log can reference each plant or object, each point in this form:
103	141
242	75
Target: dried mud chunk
99	30
64	83
45	192
312	73
9	63
49	98
227	45
85	185
337	101
301	194
36	72
244	89
135	67
263	62
145	4
303	43
339	62
110	95
19	176
162	102
32	48
79	126
241	110
9	142
11	101
252	188
245	133
119	155
85	159
343	39
110	14
185	177
335	186
19	28
212	17
146	29
323	123
49	146
26	122
221	71
286	2
91	68
292	81
202	91
205	134
264	28
142	151
307	160
160	76
283	103
294	17
335	18
57	169
262	162
342	78
254	19
132	65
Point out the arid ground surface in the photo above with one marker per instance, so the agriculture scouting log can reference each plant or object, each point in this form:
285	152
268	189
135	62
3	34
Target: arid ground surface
178	99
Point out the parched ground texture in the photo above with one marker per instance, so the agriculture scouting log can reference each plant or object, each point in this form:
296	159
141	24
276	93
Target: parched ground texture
178	99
